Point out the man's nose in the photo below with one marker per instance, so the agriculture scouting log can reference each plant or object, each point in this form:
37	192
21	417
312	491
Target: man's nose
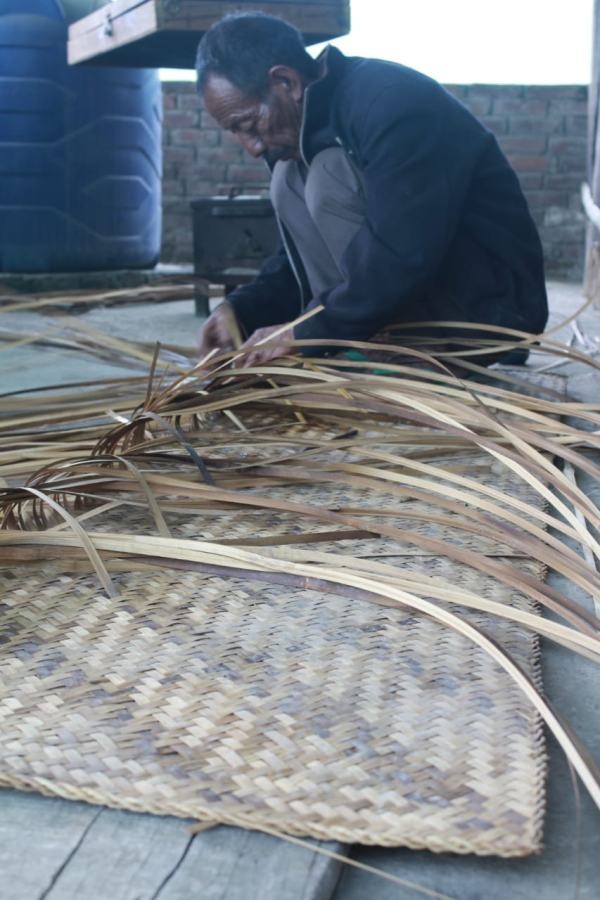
252	144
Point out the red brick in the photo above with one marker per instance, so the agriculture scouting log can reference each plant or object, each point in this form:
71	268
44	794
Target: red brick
575	202
536	214
170	170
184	136
563	217
208	137
530	181
496	124
568	107
215	172
250	174
572	164
544	199
571	183
567	146
527	125
527	163
229	140
500	91
179	87
177	118
478	104
202	188
517	107
576	125
565	251
190	101
219	155
523	144
206	121
568	234
179	154
199	183
556	91
172	188
176	210
225	188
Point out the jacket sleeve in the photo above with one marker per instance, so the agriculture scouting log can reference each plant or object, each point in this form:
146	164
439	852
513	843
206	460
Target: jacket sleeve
415	191
271	299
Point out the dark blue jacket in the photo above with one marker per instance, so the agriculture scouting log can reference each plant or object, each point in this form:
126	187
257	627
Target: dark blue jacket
447	233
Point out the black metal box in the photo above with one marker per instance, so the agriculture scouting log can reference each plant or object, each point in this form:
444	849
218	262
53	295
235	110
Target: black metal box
232	236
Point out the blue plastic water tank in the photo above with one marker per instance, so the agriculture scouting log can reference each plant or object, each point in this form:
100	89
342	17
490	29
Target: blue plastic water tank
80	153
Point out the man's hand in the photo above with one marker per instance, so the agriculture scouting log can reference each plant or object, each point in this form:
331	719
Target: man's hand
264	352
220	332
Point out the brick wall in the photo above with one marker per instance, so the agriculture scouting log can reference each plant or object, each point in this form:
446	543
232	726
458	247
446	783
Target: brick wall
542	130
199	160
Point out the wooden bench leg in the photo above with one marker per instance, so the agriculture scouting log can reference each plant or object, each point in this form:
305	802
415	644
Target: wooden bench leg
201	305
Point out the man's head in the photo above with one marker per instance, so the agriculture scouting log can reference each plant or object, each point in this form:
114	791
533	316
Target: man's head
252	72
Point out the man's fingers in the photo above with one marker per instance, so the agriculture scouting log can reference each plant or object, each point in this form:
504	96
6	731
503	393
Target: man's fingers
251	359
254	338
228	326
263	345
261	355
255	359
223	339
206	338
220	332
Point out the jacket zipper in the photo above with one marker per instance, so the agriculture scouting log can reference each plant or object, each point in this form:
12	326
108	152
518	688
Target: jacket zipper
288	244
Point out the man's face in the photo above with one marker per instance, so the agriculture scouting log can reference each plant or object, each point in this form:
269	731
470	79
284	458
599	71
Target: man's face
269	127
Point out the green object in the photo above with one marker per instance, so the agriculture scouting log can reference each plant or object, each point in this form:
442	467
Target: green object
357	356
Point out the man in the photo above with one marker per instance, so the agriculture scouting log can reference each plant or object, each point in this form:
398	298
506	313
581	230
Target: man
395	205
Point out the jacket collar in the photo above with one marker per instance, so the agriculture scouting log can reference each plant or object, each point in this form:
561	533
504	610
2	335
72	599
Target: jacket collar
318	130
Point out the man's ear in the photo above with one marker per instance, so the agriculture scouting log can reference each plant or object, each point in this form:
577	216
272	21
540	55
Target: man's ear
286	80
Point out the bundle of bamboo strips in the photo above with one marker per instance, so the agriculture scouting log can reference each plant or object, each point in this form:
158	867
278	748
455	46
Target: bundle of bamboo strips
220	438
171	288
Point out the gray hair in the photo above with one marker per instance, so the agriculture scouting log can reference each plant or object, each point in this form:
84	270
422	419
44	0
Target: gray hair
243	47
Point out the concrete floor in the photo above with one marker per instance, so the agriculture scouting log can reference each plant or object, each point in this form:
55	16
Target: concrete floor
56	849
176	323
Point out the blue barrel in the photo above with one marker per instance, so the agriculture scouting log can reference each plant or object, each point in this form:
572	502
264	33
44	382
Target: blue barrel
80	153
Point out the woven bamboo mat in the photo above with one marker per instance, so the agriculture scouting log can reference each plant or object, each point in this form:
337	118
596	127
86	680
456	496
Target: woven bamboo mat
241	702
234	700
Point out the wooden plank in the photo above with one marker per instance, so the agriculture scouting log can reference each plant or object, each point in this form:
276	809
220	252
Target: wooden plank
38	836
181	13
134	26
177	15
97	19
53	849
233	864
310	18
123	856
163	32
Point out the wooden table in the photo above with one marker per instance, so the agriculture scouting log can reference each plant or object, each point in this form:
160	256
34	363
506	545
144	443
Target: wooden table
157	33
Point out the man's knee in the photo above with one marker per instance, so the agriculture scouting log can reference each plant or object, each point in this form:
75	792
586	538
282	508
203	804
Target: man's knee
334	187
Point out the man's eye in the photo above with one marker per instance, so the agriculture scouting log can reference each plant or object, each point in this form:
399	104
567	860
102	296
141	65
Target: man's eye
246	127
